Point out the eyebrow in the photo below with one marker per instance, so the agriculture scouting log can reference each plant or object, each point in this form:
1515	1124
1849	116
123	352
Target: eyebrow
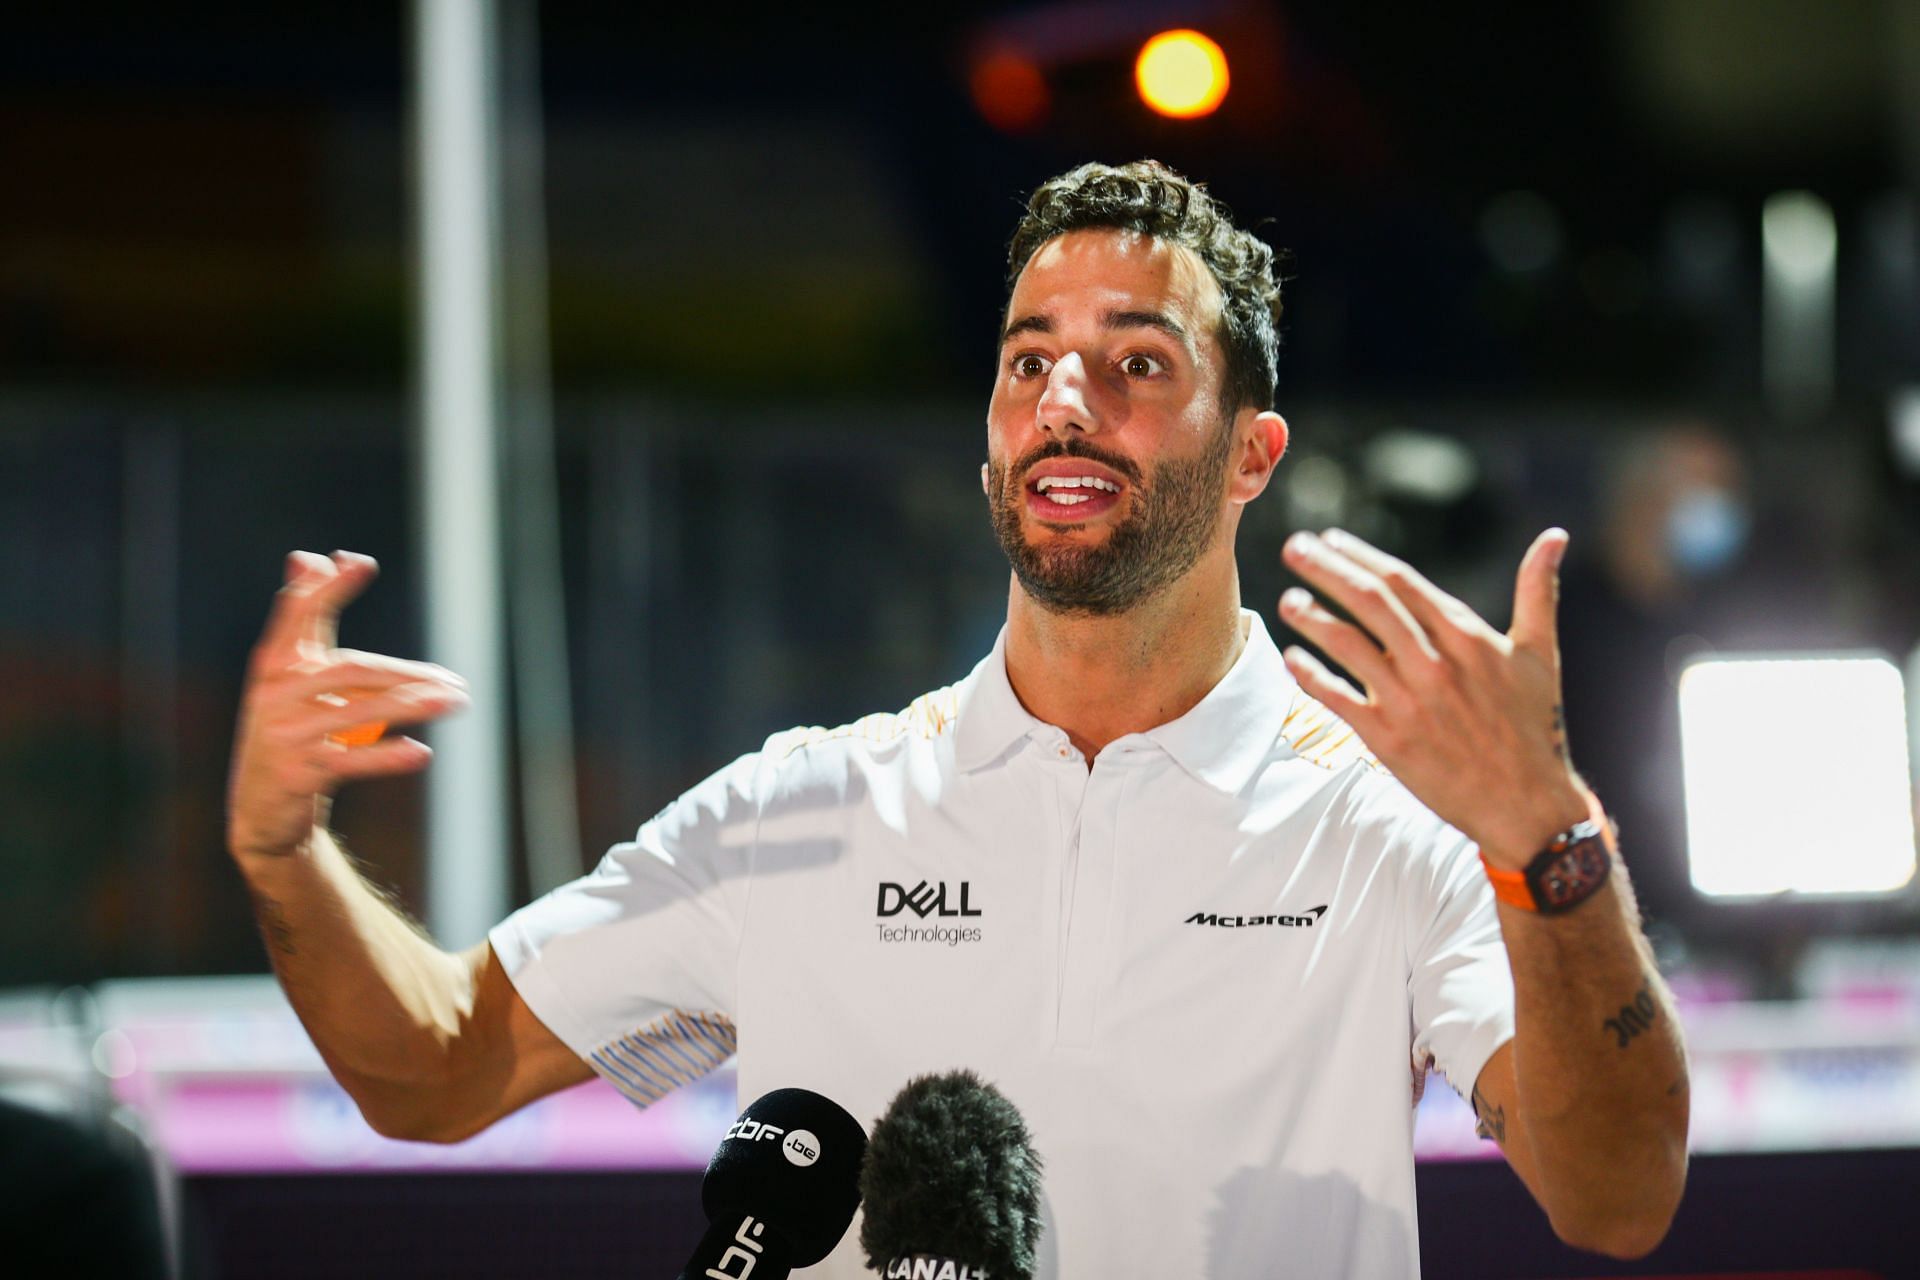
1042	323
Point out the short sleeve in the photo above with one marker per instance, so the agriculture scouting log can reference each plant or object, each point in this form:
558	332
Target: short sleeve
1459	981
633	965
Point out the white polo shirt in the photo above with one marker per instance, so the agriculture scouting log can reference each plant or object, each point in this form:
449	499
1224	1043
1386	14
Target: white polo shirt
1208	970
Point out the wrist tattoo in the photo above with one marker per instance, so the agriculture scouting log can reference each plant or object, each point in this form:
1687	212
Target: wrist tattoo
273	925
1492	1119
1635	1017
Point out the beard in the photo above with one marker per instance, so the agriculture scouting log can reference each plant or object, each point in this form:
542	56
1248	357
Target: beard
1172	521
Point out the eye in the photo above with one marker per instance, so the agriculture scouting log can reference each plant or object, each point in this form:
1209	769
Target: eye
1139	365
1029	365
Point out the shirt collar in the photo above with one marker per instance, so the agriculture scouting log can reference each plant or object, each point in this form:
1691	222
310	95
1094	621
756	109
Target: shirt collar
1229	733
1222	741
990	717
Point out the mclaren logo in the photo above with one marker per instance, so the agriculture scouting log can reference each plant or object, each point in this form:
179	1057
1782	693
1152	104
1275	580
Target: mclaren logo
1308	920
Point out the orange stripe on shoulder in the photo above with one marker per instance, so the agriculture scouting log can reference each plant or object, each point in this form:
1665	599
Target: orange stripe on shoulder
927	716
1322	738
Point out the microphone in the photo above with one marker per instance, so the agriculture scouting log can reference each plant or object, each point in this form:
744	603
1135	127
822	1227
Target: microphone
951	1184
781	1188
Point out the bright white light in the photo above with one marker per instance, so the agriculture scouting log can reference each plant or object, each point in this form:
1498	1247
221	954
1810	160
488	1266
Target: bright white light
1903	426
1797	228
1797	285
1433	468
1796	776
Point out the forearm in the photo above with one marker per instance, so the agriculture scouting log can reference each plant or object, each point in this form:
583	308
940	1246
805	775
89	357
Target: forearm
381	1002
1470	721
1600	1071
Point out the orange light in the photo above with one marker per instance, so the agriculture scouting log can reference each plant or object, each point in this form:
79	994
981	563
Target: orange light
1181	74
1009	91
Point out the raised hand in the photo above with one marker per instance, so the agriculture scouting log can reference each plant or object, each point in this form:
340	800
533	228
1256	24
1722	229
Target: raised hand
303	699
1467	718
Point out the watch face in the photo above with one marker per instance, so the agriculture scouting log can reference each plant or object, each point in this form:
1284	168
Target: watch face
1564	879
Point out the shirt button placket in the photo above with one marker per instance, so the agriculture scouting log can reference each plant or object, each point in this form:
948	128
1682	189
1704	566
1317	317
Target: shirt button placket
1088	900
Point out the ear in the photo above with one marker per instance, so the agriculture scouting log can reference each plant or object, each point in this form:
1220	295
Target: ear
984	487
1262	441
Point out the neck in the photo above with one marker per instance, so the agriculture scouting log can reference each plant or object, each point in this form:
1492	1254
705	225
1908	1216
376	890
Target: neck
1102	677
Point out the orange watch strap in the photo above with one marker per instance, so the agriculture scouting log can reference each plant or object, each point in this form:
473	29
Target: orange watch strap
1509	887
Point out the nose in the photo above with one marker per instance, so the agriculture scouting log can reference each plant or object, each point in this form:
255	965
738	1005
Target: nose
1064	404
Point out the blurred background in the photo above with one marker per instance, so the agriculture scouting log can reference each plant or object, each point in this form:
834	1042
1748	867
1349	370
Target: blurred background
654	371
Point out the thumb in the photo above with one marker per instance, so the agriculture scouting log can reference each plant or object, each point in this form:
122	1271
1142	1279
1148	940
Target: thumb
1536	595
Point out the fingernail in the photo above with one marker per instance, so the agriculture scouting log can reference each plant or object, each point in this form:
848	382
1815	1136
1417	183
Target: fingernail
1294	599
1301	543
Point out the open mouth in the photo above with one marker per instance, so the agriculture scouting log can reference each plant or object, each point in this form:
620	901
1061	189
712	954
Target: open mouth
1062	498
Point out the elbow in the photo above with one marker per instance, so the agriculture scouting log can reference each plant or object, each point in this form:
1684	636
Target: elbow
410	1114
1626	1240
415	1126
1625	1231
420	1126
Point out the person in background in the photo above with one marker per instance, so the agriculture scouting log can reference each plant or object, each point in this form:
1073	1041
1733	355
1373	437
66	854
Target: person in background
1636	603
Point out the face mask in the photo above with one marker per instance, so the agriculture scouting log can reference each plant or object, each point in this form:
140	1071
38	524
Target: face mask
1706	529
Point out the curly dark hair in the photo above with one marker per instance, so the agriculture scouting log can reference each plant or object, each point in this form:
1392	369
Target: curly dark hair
1148	197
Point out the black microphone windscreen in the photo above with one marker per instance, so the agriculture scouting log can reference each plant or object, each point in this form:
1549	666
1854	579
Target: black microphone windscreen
951	1173
792	1162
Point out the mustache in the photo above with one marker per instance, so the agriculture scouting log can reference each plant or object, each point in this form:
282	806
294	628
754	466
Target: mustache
1076	449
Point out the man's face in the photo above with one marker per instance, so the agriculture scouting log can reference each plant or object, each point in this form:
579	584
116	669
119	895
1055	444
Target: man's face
1110	370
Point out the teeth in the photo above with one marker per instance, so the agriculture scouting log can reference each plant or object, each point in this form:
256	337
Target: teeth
1068	499
1075	482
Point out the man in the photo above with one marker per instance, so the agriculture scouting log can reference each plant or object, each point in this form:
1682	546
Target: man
1136	869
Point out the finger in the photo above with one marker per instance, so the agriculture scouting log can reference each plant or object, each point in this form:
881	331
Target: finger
1345	643
388	756
306	612
302	575
1536	595
408	704
1437	612
1335	694
353	573
354	669
1361	593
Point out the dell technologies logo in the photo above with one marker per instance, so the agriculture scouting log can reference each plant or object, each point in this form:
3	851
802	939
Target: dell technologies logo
925	900
1311	918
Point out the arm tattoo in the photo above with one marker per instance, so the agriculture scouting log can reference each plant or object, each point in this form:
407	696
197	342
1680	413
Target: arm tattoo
273	925
1493	1119
1635	1017
1560	731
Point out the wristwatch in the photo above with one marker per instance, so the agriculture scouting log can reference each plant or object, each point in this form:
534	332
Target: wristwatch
1561	876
